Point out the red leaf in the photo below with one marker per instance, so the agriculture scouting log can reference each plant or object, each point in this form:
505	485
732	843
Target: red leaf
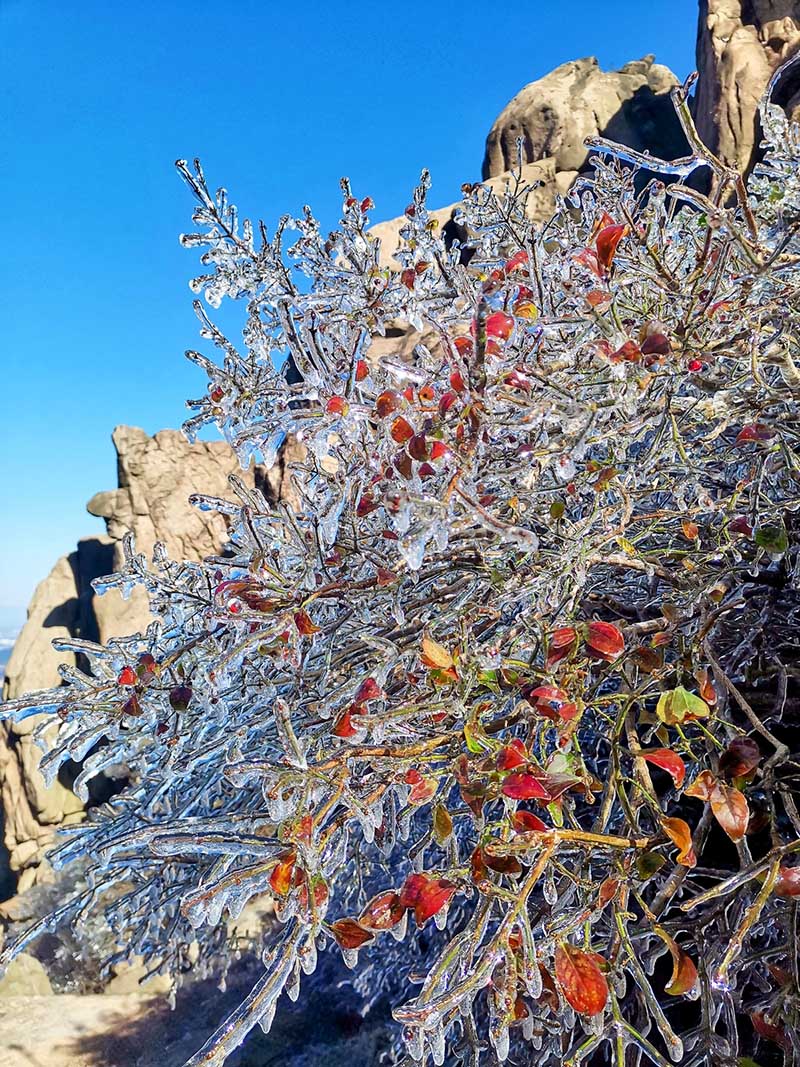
730	810
740	525
677	830
754	431
368	690
587	257
740	757
132	706
362	370
523	786
499	325
606	243
305	626
519	259
426	894
344	726
769	1030
629	352
127	676
337	405
382	912
350	934
513	755
525	822
668	761
561	643
788	882
582	982
605	639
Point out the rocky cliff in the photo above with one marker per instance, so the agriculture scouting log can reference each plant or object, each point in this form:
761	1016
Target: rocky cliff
156	476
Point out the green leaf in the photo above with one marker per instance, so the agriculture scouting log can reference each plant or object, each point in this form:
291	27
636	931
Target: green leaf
677	705
476	737
772	538
648	864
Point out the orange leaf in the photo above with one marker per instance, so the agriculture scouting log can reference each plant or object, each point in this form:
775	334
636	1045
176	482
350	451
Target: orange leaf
677	830
281	877
691	531
435	655
582	982
730	810
668	761
703	786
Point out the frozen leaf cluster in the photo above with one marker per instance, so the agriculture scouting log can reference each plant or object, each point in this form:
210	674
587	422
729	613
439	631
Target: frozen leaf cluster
509	663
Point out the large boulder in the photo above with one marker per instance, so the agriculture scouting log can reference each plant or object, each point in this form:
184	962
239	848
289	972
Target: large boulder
156	477
739	46
555	114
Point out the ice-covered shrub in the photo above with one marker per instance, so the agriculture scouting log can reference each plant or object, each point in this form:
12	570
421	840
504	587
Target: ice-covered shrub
512	666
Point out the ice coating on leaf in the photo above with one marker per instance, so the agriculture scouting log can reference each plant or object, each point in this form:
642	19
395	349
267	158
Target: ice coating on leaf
501	580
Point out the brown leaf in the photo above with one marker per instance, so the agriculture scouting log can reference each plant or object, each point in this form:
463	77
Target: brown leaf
350	934
684	972
740	757
582	982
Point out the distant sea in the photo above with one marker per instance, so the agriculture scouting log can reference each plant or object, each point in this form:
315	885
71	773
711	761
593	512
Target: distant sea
11	620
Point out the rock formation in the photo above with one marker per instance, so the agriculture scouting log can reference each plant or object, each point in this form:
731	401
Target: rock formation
553	116
556	114
740	43
156	477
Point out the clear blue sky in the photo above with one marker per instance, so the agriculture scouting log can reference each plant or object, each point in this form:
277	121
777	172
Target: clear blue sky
279	100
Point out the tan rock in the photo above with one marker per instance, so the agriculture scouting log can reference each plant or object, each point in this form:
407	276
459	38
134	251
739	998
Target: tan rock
156	477
739	45
556	113
128	978
25	977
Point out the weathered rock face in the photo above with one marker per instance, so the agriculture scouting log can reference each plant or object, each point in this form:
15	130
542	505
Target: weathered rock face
555	114
156	477
740	43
